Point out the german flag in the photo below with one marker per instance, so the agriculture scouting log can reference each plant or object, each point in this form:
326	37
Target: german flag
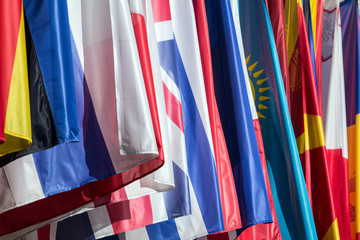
15	121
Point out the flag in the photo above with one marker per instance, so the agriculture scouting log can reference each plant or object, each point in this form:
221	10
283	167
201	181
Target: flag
42	125
351	57
206	212
15	101
46	177
269	230
277	17
53	47
229	200
180	60
291	201
236	119
307	122
334	114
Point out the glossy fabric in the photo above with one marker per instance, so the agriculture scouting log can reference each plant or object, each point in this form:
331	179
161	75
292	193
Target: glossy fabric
229	200
49	26
235	115
17	122
291	200
277	17
10	17
70	166
350	41
42	124
334	114
308	127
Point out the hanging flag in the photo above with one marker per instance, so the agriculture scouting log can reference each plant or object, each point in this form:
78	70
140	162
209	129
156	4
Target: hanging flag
15	106
53	45
229	200
351	55
67	166
307	122
334	114
277	17
180	61
236	117
269	230
291	201
125	213
42	124
206	212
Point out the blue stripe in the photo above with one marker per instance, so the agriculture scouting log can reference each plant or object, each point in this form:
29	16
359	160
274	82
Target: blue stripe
49	27
70	165
72	230
164	230
235	115
177	201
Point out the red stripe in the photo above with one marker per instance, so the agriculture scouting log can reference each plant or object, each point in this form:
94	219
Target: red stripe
122	219
220	236
10	15
161	10
173	108
44	233
338	170
144	55
62	203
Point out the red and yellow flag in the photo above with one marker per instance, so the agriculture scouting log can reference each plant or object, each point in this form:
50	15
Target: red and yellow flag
307	122
14	78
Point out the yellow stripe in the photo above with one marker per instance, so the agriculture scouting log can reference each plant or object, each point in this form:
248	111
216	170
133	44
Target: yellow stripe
333	232
291	26
18	120
313	136
357	183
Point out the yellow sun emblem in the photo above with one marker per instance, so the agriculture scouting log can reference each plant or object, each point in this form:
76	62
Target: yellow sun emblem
258	88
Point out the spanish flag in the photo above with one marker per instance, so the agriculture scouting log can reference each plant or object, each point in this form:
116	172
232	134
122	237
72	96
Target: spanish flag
307	122
13	68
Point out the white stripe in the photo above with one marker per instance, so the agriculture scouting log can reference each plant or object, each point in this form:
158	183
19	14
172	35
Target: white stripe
158	208
235	13
100	222
136	6
6	197
140	233
164	31
24	180
53	228
31	236
170	84
193	225
334	108
232	235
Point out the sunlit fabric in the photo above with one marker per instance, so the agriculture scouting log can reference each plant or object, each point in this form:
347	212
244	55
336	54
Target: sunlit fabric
291	200
17	125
